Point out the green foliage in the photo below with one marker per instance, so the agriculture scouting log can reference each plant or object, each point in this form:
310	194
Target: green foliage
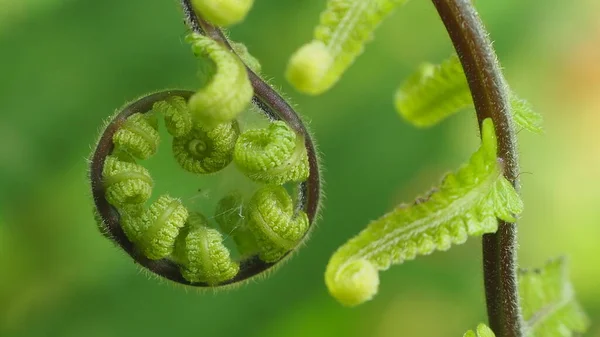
206	150
178	119
160	226
481	331
138	136
125	181
223	12
548	302
202	254
276	225
206	135
227	93
344	28
274	155
435	92
468	202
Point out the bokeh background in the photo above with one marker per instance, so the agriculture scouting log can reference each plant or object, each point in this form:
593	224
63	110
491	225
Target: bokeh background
66	65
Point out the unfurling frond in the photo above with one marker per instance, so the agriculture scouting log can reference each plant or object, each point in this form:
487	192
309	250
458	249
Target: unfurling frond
548	301
436	92
345	27
223	12
481	331
468	202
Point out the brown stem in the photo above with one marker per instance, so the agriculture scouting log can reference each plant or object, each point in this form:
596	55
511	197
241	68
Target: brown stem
490	96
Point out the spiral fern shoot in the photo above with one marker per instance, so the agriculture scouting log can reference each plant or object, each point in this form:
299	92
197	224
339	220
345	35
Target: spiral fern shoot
160	227
206	151
223	12
138	136
178	119
481	331
467	203
125	181
273	155
436	92
202	254
344	28
550	308
228	91
172	239
276	226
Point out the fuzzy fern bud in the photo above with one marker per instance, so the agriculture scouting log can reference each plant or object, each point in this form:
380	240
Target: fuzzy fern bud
202	254
274	155
468	202
227	93
223	12
344	28
277	228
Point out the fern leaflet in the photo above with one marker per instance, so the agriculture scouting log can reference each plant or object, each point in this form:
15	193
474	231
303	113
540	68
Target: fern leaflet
548	302
436	92
468	202
481	331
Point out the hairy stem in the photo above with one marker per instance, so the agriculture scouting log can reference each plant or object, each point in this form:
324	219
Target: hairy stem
272	104
490	98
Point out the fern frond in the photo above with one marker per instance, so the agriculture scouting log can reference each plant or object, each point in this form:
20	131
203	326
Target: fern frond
548	302
481	331
524	115
468	202
344	28
433	93
436	92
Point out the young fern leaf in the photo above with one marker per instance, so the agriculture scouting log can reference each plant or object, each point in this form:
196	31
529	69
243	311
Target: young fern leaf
433	93
345	27
276	226
436	92
548	302
202	254
481	331
223	12
273	155
468	202
228	90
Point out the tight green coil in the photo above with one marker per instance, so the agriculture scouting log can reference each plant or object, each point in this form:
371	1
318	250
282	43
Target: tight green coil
273	155
206	151
202	254
276	227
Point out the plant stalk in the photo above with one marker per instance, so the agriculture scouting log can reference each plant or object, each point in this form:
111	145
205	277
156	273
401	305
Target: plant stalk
272	104
491	99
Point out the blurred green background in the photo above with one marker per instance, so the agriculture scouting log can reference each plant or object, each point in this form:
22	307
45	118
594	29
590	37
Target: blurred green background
66	65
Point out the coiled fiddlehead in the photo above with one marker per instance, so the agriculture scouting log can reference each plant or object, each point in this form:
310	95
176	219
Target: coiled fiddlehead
274	223
160	226
138	136
344	28
217	102
223	12
162	237
202	254
274	155
178	119
206	151
125	181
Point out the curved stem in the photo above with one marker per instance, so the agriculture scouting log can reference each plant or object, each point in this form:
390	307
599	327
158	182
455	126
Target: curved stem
490	96
272	104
